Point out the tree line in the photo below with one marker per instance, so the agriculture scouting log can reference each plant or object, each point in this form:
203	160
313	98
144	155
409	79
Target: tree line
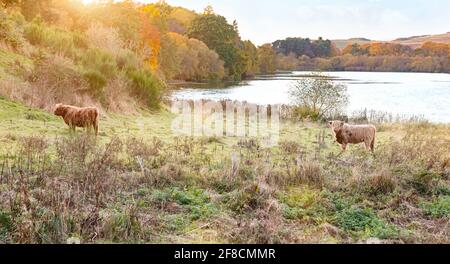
109	45
304	54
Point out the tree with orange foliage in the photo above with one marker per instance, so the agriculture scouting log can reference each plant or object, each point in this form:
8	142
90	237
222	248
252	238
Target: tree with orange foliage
379	49
434	49
152	37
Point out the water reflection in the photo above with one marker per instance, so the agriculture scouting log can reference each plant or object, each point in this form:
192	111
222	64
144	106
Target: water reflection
424	94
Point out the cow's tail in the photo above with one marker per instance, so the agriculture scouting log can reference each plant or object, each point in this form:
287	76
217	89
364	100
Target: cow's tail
372	143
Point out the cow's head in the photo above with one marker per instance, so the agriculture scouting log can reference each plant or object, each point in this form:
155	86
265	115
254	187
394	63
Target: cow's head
59	110
336	125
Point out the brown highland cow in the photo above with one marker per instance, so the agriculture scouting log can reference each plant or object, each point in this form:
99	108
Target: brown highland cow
86	117
353	134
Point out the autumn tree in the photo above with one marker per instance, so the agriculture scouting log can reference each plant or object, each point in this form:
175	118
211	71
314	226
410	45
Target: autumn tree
32	8
158	14
189	59
434	49
152	38
287	63
169	58
209	66
180	19
354	49
124	16
304	46
251	58
298	46
382	49
267	59
322	48
222	37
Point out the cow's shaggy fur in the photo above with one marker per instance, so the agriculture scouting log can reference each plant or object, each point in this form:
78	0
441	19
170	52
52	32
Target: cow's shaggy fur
86	117
353	134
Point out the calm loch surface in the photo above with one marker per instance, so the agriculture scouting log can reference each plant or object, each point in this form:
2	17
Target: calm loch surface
406	94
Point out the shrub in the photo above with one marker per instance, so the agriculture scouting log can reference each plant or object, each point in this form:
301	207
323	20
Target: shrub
10	29
380	183
127	60
146	87
57	71
34	32
290	147
302	112
122	225
56	80
101	61
309	172
99	67
424	181
96	81
80	40
318	95
57	40
251	196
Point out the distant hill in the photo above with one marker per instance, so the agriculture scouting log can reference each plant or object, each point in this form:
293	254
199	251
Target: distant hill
342	43
413	41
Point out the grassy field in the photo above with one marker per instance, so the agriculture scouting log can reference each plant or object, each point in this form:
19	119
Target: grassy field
138	182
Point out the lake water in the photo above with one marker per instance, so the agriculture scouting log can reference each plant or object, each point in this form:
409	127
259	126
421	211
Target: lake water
405	94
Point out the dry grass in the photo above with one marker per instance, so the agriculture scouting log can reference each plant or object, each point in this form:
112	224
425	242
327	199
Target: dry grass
132	186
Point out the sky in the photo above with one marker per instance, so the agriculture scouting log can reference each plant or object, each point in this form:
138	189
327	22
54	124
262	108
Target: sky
264	21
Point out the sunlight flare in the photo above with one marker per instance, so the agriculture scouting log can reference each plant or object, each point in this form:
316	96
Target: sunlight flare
87	2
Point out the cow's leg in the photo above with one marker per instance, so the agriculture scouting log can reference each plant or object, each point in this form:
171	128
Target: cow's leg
71	127
367	144
69	124
372	144
343	147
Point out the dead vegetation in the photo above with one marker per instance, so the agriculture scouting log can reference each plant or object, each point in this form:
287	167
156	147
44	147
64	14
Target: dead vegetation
194	189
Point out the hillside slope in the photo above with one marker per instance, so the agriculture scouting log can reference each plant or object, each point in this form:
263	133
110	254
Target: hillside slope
342	43
414	41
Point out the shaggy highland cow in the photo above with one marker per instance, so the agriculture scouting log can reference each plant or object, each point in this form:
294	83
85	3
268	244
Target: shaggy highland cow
353	134
73	116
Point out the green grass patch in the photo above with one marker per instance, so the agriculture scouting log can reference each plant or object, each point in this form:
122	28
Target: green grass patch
305	204
197	201
364	222
6	225
438	207
423	180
